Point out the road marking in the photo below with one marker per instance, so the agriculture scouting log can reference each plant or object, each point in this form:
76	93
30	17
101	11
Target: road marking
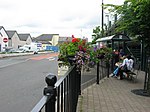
47	56
13	63
51	58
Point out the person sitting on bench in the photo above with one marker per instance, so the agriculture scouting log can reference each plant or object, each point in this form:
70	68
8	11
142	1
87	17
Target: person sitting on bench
126	66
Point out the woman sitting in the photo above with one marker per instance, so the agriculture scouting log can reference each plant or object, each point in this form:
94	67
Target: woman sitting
117	66
125	67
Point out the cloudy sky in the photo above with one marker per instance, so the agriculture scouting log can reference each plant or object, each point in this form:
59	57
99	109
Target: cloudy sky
63	17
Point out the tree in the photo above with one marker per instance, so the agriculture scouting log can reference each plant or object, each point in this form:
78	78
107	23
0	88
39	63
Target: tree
135	17
96	34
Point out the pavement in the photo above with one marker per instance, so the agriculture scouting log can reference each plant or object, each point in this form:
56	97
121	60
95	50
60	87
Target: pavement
113	95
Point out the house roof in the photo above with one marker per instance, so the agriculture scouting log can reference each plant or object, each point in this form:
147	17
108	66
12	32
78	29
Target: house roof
45	42
45	37
118	37
4	30
24	37
1	27
63	39
11	33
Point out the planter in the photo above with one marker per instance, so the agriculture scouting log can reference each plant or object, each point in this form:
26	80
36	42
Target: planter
71	60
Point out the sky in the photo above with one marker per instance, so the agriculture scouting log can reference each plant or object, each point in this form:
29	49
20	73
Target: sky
63	17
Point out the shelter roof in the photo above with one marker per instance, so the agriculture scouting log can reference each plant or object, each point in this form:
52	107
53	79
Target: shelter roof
117	37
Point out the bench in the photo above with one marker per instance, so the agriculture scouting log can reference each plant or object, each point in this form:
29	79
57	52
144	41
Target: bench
132	75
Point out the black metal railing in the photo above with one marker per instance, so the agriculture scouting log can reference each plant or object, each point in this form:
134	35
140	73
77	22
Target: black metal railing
103	70
61	95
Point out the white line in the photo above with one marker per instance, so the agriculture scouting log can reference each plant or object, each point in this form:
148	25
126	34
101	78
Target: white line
51	58
14	63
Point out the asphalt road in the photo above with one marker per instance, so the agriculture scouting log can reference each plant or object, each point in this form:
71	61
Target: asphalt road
22	80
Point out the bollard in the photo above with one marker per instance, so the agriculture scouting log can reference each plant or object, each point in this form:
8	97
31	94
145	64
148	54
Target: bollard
50	91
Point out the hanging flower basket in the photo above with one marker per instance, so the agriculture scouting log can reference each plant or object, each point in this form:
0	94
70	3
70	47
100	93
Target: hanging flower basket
78	52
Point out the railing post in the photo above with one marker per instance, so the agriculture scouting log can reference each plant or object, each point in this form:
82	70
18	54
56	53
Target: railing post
79	84
97	79
50	91
107	65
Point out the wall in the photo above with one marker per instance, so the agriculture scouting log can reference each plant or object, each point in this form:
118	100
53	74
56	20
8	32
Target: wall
15	41
29	40
55	40
2	44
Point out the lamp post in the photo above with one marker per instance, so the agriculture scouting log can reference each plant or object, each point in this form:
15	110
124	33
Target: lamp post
97	80
102	19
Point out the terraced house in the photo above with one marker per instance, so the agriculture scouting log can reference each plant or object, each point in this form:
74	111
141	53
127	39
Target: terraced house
14	40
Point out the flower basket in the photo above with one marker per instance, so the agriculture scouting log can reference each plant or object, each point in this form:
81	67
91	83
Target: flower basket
71	60
74	53
80	53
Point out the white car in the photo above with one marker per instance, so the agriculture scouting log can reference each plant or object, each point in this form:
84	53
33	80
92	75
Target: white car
21	50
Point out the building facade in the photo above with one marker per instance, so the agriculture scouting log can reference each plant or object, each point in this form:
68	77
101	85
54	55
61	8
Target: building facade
3	39
14	40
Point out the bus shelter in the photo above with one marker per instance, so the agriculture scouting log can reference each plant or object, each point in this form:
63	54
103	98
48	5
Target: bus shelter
117	41
114	41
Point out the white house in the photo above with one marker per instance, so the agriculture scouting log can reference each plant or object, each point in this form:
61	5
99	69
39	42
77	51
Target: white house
14	40
3	39
25	39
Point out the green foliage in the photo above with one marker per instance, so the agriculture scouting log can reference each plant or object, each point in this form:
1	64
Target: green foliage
83	53
71	49
97	33
104	53
135	17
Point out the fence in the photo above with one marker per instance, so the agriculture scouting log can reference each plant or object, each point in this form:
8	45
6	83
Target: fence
103	70
60	96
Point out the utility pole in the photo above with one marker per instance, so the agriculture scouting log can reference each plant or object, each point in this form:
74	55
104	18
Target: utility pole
102	19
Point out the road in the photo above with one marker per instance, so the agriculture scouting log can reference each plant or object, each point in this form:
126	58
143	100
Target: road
22	80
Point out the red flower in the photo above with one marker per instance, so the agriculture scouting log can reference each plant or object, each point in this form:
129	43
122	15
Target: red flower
84	49
80	48
75	40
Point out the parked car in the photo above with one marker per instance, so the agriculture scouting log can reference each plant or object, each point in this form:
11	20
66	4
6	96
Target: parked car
20	50
11	50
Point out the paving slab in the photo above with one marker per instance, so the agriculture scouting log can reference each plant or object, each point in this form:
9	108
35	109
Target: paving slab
113	95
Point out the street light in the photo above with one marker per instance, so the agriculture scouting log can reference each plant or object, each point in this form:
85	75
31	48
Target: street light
97	81
102	18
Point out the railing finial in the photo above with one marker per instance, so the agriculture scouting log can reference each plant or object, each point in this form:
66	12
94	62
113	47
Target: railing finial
51	79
